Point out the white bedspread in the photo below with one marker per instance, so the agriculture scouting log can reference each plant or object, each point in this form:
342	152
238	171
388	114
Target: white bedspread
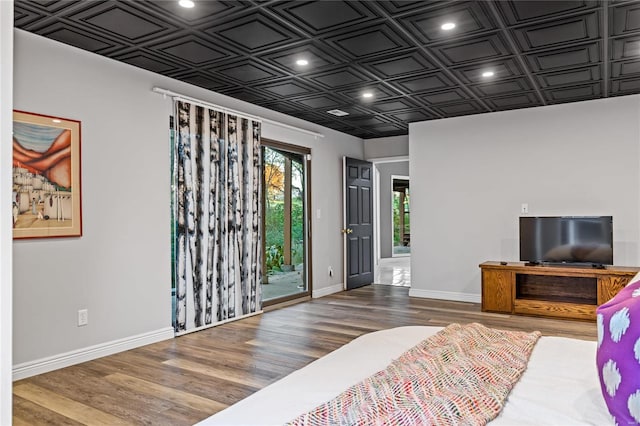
559	387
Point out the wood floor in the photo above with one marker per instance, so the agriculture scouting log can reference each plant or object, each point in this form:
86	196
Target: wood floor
184	380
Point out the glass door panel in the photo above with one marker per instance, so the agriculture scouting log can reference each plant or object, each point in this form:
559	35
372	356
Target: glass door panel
284	233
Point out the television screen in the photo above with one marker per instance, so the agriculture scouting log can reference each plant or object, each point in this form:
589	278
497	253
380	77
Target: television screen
567	239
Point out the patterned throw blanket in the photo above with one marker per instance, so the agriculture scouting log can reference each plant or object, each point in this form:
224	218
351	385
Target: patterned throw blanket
459	376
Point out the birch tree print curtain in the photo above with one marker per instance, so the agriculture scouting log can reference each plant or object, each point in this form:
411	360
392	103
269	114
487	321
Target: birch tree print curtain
217	201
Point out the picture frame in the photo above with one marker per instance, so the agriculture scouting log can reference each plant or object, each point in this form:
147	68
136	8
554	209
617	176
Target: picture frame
47	197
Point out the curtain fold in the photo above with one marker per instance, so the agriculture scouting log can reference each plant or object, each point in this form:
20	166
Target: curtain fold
217	173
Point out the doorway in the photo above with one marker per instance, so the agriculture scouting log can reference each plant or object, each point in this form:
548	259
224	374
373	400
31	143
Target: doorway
401	225
285	233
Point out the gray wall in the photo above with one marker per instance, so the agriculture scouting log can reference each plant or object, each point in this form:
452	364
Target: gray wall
386	197
120	269
6	175
470	175
395	146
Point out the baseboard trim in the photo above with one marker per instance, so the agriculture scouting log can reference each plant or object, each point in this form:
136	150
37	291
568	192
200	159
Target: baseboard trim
44	365
445	295
336	288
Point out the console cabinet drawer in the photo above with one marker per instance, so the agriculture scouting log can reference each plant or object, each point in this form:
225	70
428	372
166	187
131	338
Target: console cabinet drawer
497	291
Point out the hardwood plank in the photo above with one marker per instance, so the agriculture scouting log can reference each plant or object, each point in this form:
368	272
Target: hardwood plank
221	373
27	413
184	380
174	395
66	406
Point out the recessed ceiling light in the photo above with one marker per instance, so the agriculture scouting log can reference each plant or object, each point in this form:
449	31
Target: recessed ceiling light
337	112
55	120
448	26
367	95
487	74
186	3
302	62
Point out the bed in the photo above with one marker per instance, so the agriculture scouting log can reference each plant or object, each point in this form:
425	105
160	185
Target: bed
559	386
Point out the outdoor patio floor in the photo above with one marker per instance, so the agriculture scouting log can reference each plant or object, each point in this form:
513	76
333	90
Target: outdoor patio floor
282	284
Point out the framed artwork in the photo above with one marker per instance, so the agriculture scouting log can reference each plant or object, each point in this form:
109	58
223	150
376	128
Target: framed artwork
46	176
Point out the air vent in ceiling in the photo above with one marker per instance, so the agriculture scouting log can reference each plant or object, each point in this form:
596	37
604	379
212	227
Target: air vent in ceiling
337	112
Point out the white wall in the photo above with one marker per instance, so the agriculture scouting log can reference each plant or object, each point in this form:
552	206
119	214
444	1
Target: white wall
386	197
394	146
470	175
6	106
120	269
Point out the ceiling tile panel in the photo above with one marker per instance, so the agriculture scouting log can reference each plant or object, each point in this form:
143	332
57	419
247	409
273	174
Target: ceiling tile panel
366	121
625	68
392	105
288	88
283	106
148	61
323	102
569	94
470	18
378	91
202	79
444	97
402	7
206	11
400	65
523	11
354	110
254	32
625	48
319	17
424	83
502	69
625	19
25	16
245	94
519	100
340	77
122	20
502	87
52	7
78	37
576	29
389	129
192	50
375	40
483	48
569	77
316	57
247	72
461	108
576	56
628	86
413	116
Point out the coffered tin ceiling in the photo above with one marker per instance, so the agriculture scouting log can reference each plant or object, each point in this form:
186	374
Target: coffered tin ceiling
541	52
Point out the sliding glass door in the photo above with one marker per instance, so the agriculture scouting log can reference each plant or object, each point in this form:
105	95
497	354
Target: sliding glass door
285	256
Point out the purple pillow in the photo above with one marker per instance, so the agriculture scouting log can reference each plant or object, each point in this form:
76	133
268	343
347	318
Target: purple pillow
618	354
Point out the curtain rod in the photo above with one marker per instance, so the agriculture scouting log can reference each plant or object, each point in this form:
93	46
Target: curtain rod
175	95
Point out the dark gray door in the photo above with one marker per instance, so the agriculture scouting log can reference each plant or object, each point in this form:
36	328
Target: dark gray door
358	228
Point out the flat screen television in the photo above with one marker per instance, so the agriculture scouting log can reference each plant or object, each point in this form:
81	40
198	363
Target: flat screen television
580	240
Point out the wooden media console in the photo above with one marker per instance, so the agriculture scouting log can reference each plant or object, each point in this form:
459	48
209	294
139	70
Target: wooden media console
553	291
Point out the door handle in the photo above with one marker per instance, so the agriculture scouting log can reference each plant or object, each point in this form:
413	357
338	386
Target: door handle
347	231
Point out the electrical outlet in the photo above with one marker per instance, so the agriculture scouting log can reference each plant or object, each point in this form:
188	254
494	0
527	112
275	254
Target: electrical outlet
330	272
83	317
